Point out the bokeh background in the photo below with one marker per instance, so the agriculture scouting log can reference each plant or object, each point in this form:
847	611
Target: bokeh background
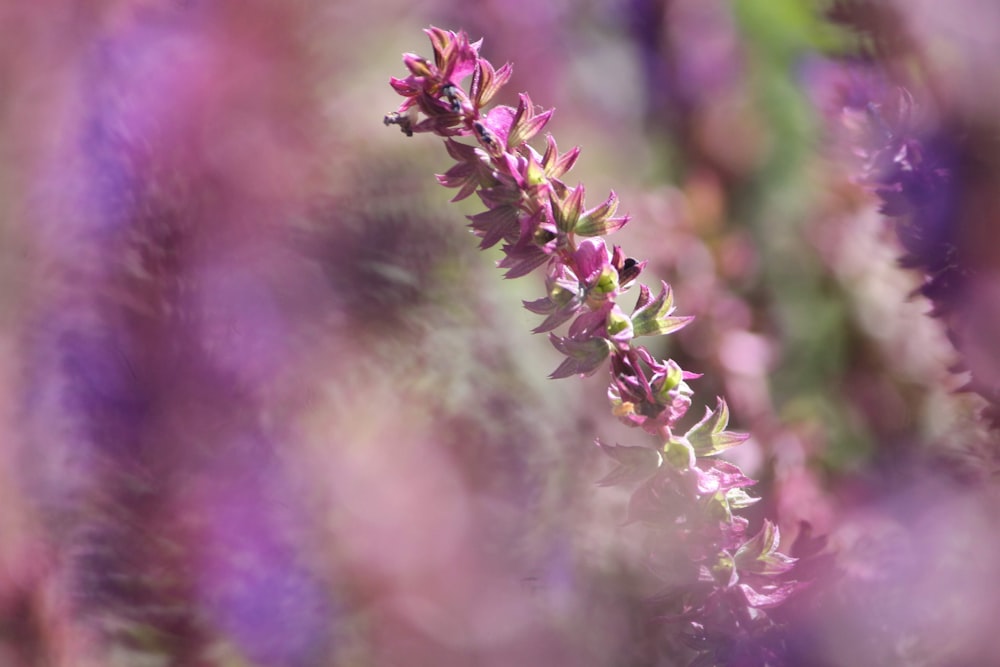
262	402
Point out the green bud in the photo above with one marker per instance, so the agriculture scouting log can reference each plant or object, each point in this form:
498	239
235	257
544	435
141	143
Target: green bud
617	322
608	282
678	454
724	571
534	175
670	381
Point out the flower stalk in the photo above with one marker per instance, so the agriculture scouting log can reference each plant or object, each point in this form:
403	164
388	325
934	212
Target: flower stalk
686	496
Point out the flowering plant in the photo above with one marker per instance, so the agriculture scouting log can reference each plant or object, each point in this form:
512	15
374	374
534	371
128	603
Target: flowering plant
921	154
717	579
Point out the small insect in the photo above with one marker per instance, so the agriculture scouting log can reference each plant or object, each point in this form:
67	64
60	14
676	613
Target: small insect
451	93
404	122
484	134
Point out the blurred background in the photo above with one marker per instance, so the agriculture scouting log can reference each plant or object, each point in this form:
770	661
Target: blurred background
262	402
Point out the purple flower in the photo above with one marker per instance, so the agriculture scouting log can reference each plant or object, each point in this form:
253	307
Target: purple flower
924	169
684	492
434	88
648	393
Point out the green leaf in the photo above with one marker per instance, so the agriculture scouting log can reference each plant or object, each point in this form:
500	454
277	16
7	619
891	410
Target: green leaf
582	356
566	212
709	436
739	499
601	220
760	554
652	317
635	464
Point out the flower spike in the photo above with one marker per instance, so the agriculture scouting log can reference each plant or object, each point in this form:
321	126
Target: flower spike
686	495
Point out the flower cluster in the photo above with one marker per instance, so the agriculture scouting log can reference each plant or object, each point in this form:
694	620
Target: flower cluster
912	173
717	578
922	172
923	157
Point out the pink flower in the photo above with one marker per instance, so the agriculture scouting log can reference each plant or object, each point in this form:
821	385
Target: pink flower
686	493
